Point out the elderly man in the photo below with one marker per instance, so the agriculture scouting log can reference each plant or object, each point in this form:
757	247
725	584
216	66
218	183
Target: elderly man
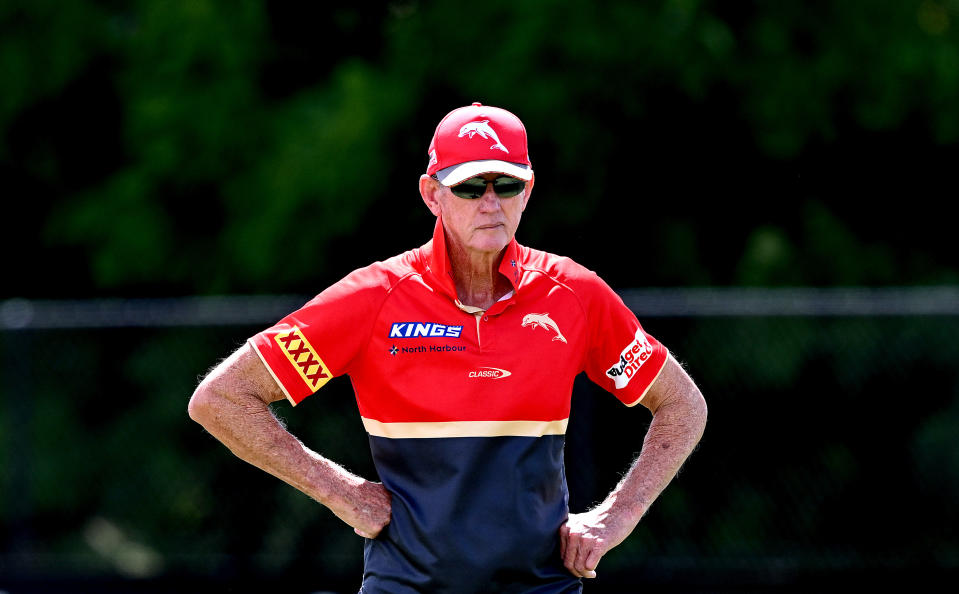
462	354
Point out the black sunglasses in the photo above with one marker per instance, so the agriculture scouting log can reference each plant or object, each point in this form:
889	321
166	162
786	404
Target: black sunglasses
504	186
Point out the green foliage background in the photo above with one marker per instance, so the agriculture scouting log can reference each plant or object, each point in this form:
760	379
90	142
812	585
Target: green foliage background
208	147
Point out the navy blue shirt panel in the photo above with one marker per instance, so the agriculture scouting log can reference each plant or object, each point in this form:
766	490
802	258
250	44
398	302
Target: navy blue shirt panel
470	514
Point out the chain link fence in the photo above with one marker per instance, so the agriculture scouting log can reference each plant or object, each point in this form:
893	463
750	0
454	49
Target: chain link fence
830	458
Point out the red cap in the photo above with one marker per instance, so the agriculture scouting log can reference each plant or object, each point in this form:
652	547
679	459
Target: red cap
478	139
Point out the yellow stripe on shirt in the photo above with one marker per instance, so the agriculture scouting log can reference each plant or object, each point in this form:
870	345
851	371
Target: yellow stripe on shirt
465	429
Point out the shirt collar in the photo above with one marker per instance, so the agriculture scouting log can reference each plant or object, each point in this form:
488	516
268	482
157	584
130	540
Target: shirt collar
439	261
510	266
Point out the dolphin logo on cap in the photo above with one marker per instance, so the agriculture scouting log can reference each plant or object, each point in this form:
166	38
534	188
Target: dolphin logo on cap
482	128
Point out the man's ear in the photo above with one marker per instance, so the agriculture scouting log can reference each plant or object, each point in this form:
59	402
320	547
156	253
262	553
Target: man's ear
429	188
528	191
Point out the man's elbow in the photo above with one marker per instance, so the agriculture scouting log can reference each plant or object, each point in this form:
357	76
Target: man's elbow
202	404
688	404
699	410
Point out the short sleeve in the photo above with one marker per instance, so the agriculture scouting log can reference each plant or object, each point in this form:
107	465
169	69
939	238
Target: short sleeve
317	342
621	357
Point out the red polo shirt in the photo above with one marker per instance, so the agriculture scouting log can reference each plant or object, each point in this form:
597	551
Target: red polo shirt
466	410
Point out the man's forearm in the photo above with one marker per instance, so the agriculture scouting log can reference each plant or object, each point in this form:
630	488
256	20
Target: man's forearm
247	426
678	420
676	428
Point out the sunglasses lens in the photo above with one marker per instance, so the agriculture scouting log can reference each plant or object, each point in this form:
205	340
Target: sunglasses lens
504	186
472	188
507	187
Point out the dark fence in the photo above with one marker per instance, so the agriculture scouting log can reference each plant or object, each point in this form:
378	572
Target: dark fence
830	461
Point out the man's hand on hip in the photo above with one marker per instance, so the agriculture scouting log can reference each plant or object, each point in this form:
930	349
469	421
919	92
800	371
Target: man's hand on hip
370	510
586	537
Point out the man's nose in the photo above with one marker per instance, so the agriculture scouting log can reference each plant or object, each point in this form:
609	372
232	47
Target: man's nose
489	201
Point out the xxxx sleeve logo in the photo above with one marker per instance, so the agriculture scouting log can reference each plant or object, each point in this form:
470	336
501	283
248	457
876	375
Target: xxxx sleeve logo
303	357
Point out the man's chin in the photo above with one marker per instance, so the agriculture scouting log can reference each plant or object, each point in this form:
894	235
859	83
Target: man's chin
490	245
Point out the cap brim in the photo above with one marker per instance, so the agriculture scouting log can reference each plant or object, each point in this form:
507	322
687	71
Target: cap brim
453	175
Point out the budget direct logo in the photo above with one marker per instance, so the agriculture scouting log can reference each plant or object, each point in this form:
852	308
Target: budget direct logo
631	359
490	372
424	330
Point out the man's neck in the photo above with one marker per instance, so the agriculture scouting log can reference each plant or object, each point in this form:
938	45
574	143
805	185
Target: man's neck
477	278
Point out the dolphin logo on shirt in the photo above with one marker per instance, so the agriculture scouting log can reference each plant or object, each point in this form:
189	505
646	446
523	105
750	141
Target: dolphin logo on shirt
543	321
482	128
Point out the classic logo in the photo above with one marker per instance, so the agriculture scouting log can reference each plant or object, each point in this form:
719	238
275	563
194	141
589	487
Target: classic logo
424	330
482	128
631	359
303	357
543	321
490	372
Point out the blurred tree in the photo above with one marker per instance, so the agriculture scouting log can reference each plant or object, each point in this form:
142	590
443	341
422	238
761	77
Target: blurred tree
209	147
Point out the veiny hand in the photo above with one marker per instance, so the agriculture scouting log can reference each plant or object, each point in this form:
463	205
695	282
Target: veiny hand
586	537
369	509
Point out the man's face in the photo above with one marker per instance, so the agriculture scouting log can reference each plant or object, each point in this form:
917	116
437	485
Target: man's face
483	225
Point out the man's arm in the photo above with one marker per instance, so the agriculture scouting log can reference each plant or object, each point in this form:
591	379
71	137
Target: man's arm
233	404
679	417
